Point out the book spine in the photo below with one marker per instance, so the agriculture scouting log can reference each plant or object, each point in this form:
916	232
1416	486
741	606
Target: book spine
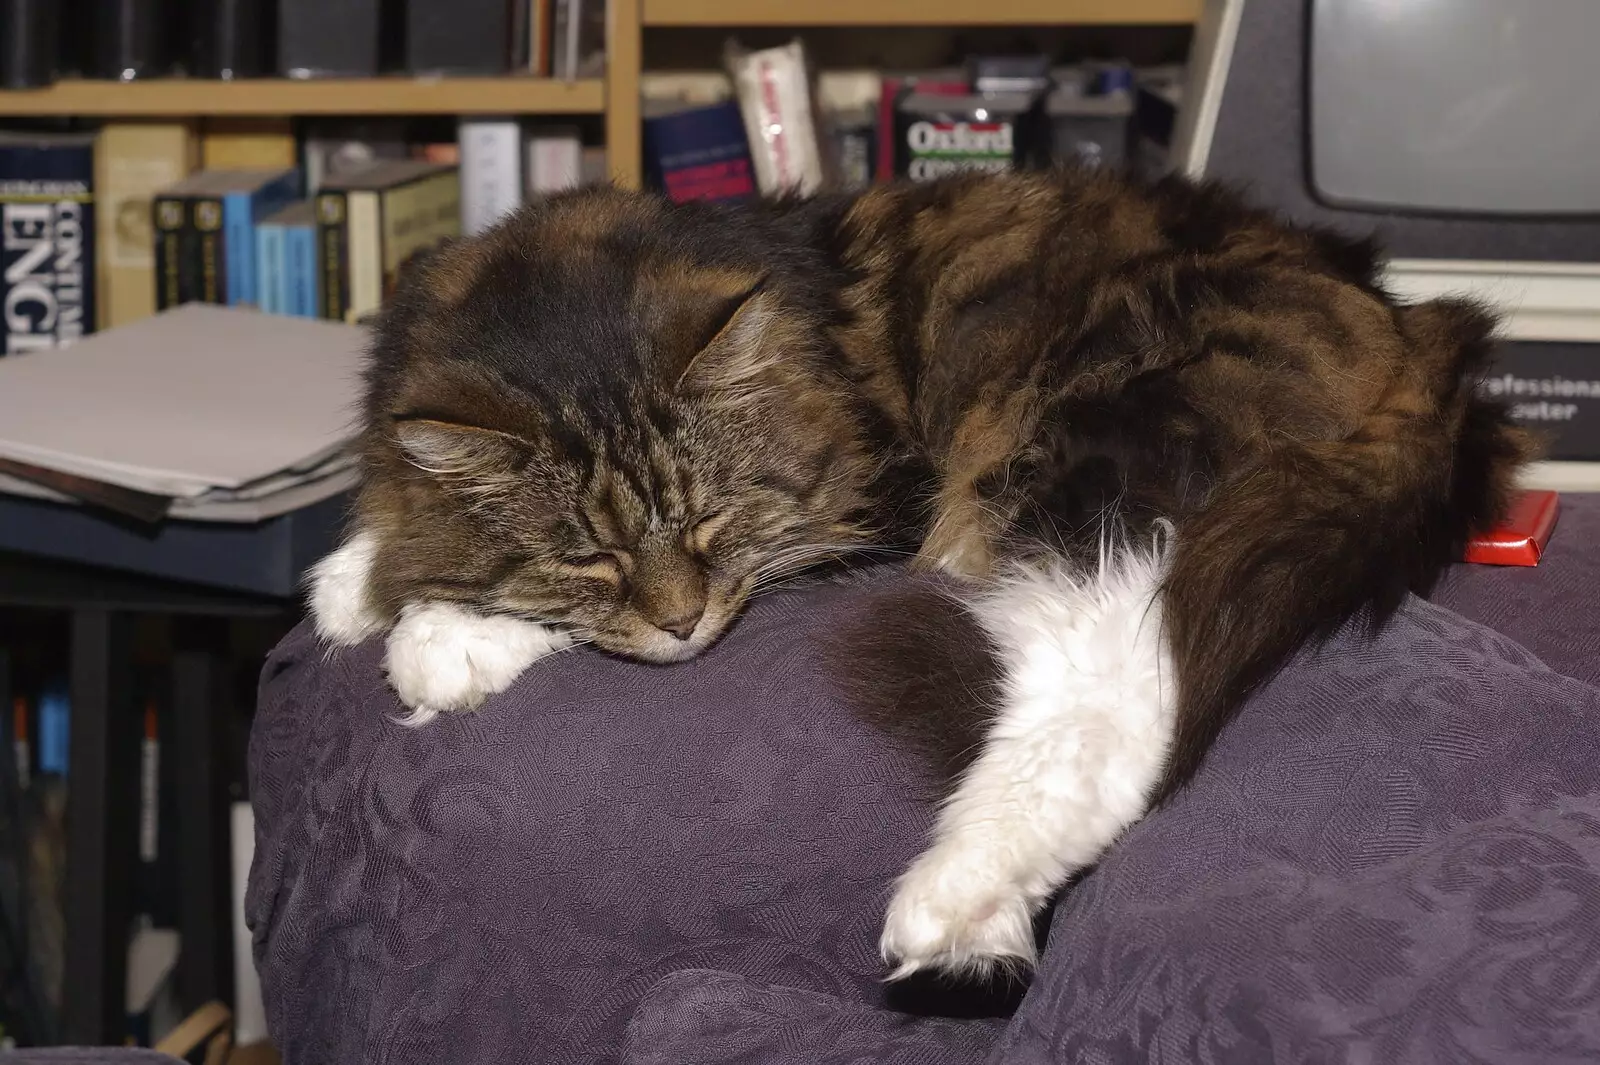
300	269
364	253
700	154
417	216
129	40
46	246
31	44
459	36
247	143
210	263
238	233
269	268
555	161
228	39
333	254
134	161
319	39
174	276
491	171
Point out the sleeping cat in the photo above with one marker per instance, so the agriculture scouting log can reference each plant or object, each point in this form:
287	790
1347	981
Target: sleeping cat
1150	440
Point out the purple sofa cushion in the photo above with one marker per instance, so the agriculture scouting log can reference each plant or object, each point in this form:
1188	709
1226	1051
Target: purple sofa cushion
520	877
1550	608
1391	857
710	1017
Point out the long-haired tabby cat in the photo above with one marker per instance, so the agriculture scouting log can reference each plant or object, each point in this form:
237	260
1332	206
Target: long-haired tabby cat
1157	438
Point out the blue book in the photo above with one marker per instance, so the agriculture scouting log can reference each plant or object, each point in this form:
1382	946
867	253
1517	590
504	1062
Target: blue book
699	153
300	257
287	247
248	196
269	268
47	256
295	285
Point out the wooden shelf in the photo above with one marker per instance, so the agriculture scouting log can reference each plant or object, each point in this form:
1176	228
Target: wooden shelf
920	12
174	97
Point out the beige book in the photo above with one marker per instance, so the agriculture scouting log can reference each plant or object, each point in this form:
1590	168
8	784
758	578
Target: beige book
248	144
133	161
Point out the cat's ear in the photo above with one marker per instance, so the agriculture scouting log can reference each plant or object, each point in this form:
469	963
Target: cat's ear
483	461
721	325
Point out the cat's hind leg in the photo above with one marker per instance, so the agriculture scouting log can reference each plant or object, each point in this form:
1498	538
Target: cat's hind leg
1070	753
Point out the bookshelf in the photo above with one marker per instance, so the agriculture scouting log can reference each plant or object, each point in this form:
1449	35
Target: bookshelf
183	97
711	13
616	96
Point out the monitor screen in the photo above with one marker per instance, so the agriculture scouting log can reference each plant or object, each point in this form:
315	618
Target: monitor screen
1475	107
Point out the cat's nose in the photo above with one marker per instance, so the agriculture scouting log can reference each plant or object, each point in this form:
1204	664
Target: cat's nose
683	625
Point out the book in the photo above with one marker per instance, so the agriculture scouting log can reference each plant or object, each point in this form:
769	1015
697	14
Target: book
369	222
460	37
128	39
134	161
336	146
287	251
699	153
951	83
47	239
229	39
940	133
555	159
541	24
271	278
330	38
177	245
224	214
492	181
577	38
30	41
249	197
247	144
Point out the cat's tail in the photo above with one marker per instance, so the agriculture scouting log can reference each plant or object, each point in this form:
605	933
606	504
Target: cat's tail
1324	532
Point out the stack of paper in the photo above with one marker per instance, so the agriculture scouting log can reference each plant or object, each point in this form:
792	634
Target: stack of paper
202	412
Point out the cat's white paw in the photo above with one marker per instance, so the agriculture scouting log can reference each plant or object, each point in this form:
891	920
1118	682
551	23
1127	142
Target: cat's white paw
338	592
442	657
950	913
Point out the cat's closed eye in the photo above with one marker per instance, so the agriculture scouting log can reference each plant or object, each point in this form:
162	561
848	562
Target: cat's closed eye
590	561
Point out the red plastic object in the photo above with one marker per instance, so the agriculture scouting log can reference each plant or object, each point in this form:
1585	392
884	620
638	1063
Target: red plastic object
1520	539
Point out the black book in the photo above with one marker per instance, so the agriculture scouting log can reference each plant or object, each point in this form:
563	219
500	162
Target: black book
339	38
130	39
230	38
30	42
458	36
178	278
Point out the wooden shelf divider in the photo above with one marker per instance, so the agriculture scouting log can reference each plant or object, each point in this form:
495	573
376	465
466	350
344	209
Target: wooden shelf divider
180	97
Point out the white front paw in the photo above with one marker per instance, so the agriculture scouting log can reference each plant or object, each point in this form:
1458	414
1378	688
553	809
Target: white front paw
952	914
443	658
338	602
